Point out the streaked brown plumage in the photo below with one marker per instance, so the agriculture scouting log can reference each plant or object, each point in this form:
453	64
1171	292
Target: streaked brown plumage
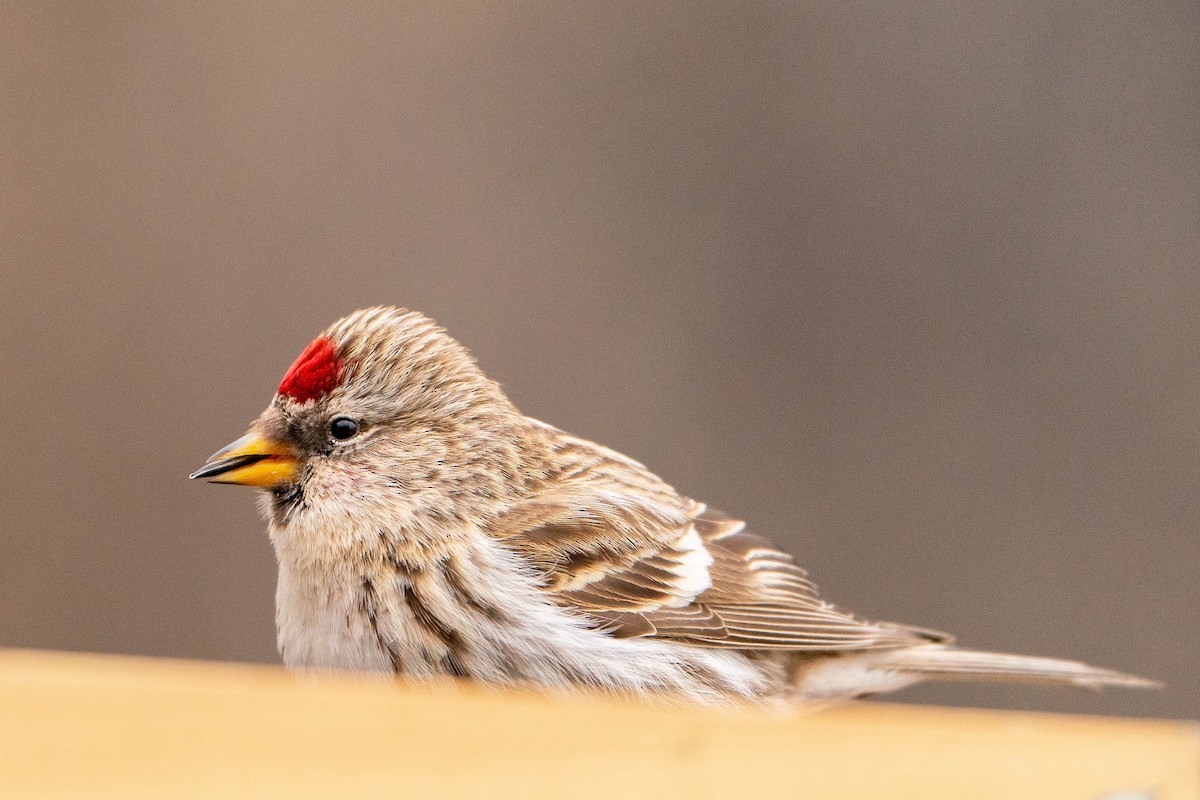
447	534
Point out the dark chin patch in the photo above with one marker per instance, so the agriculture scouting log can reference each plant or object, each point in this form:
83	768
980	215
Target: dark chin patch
286	500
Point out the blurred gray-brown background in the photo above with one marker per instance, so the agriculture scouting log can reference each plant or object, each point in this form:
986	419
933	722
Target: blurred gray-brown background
912	287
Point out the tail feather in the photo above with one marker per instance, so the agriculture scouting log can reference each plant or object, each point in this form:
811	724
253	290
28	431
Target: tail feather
948	663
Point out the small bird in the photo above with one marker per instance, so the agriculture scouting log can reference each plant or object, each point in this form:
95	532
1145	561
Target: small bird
425	527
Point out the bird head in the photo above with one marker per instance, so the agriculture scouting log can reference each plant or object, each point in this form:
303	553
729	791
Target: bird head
383	418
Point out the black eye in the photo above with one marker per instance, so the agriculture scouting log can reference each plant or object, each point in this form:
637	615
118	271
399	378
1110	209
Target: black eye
343	428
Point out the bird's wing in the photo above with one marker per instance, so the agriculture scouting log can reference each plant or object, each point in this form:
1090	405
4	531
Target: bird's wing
615	542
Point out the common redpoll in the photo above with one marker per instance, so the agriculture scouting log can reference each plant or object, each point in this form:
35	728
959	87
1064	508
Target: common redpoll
424	526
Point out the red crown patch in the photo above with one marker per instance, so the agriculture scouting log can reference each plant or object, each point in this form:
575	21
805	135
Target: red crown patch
316	373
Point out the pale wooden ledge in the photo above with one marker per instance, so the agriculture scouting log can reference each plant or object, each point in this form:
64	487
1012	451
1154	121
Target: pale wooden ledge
82	726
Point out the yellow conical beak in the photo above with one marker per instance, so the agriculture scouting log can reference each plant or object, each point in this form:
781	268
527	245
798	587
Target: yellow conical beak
251	461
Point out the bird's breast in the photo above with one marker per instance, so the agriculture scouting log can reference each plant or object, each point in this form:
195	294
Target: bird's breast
322	623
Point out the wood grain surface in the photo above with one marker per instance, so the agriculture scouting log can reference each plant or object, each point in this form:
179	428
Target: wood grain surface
91	726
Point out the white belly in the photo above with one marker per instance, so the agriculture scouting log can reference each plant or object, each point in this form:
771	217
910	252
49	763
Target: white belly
415	624
325	626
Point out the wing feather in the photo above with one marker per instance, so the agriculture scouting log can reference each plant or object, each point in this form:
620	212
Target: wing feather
619	545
